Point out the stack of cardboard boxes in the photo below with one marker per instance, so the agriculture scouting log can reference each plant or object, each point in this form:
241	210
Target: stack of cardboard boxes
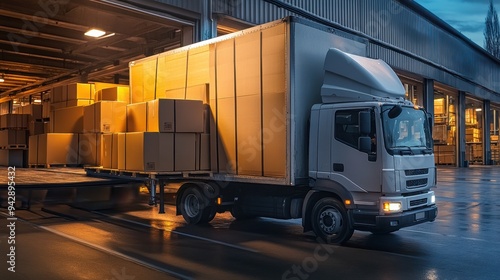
36	123
13	136
94	125
100	121
72	138
163	135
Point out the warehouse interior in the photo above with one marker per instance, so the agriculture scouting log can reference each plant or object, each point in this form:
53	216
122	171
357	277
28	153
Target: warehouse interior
44	42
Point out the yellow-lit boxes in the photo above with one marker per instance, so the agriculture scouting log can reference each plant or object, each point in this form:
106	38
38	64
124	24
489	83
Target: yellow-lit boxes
162	135
13	136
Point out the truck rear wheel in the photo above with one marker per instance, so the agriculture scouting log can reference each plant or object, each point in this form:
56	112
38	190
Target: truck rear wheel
330	221
195	207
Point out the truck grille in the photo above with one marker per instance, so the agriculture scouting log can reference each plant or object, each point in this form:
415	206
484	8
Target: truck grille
416	183
412	172
417	202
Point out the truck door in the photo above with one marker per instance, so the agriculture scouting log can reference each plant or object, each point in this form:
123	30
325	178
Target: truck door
356	170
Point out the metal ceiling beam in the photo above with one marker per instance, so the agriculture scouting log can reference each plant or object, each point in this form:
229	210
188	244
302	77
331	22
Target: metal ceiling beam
23	32
41	20
50	53
38	61
67	76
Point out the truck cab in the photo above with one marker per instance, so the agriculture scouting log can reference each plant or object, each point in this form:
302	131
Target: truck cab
371	161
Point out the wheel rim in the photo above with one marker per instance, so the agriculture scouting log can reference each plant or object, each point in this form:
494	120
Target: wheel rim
192	205
330	221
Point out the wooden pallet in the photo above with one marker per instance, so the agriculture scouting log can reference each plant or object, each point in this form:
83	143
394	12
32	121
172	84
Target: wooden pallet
53	165
15	147
147	174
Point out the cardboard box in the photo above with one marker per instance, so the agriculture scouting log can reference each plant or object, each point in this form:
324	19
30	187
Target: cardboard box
17	121
47	127
149	79
100	86
22	121
149	151
79	102
33	149
105	117
106	150
198	92
35	110
7	137
143	80
36	127
67	120
185	147
58	148
57	105
120	152
80	91
12	158
45	109
89	149
137	117
4	108
119	93
58	94
21	137
12	137
136	82
89	119
175	115
203	157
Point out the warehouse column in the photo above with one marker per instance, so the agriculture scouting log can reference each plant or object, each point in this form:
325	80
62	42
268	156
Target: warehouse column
207	25
486	133
428	91
462	160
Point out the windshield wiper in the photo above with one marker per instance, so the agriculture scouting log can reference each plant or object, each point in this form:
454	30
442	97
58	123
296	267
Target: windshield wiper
404	152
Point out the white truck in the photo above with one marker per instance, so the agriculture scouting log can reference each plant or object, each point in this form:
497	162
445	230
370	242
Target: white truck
303	125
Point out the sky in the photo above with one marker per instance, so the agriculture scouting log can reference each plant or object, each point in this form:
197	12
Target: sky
467	16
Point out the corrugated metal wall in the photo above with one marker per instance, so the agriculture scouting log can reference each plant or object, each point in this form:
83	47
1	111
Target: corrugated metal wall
191	5
431	51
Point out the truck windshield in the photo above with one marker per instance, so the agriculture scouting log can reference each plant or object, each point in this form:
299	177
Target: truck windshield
408	131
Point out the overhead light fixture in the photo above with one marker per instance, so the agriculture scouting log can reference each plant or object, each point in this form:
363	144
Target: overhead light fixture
96	33
2	79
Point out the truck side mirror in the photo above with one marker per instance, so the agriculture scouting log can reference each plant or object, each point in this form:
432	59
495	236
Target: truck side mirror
365	123
365	144
395	111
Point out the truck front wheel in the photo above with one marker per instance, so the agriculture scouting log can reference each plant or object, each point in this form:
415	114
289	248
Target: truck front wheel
330	221
195	207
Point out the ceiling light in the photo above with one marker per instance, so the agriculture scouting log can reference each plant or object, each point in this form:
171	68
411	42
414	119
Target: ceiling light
96	33
2	78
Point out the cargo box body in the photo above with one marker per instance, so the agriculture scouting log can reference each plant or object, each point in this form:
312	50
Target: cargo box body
261	83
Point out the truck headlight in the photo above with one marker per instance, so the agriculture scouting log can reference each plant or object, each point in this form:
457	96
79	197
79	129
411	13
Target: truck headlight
433	199
392	206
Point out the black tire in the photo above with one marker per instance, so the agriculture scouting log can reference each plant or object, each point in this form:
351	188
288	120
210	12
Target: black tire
195	207
208	214
330	221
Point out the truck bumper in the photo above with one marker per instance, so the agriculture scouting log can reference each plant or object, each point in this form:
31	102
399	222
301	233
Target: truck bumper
388	223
